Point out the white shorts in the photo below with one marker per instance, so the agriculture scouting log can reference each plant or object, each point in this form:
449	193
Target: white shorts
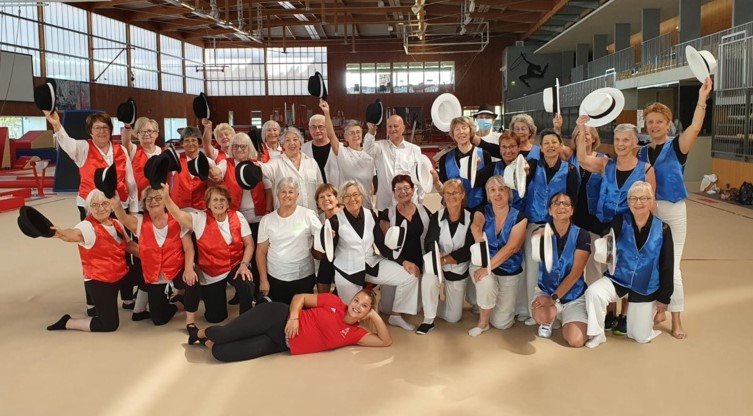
573	311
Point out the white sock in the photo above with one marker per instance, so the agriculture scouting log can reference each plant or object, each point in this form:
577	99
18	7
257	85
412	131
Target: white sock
596	340
142	298
397	320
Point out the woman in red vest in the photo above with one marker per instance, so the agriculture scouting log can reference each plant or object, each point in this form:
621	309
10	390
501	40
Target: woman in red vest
187	191
166	254
102	245
225	246
147	132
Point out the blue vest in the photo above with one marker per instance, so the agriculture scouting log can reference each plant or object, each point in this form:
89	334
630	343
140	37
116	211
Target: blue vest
561	267
539	191
535	153
638	270
593	186
496	242
517	202
474	196
613	200
670	185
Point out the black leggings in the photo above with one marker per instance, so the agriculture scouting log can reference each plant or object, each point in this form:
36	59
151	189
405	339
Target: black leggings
160	308
215	298
254	334
105	298
283	292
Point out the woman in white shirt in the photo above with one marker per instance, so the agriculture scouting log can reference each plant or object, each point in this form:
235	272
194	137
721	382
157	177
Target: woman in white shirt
292	164
286	236
225	246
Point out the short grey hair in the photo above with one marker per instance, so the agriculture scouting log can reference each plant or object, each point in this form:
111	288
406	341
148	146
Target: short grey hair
94	194
142	121
348	184
316	117
638	186
497	180
627	127
267	125
352	123
242	138
290	130
288	182
525	119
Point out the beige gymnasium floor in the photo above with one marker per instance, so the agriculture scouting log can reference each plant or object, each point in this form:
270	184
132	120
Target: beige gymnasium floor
147	370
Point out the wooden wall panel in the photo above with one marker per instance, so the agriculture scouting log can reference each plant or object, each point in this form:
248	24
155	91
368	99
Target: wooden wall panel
732	172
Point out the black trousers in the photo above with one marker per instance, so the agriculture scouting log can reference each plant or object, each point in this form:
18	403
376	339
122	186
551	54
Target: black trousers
254	334
105	299
326	274
283	292
215	298
160	308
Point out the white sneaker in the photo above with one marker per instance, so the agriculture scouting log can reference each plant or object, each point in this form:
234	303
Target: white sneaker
397	320
476	331
530	322
522	317
597	340
545	330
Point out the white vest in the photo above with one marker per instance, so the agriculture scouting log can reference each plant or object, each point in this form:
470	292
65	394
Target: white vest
448	244
353	252
331	170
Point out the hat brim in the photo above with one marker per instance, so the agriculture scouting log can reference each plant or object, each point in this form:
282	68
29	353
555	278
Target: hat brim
444	109
157	169
552	98
199	167
201	106
127	112
375	112
175	165
317	87
491	113
423	174
598	120
45	96
612	264
699	63
33	224
106	180
329	242
548	252
433	263
520	175
248	175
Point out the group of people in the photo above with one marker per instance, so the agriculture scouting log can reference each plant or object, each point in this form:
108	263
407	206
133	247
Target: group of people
187	240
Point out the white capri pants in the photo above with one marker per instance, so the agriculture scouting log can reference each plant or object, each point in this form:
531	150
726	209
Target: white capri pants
497	293
640	315
676	216
594	270
399	289
573	311
531	271
451	310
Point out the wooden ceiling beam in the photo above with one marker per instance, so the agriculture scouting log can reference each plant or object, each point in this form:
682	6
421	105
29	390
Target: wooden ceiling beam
156	12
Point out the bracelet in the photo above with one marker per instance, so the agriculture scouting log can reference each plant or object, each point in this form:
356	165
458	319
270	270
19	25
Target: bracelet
293	319
701	106
244	263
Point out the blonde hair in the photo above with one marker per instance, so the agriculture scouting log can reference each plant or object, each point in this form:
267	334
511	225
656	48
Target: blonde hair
223	126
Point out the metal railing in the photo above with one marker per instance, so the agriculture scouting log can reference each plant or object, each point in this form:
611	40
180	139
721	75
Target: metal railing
578	73
659	53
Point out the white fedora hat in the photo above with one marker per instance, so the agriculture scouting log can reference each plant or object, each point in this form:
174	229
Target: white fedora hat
541	247
602	106
702	63
605	251
444	109
394	238
469	167
515	175
552	98
480	255
423	174
328	240
433	263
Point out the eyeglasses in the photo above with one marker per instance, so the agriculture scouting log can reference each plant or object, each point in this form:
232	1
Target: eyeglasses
353	133
513	147
151	199
634	199
401	189
101	128
317	127
453	193
564	204
520	129
148	132
95	206
191	141
240	146
354	195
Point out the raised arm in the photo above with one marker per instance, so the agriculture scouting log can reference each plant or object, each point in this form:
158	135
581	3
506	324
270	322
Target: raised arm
128	220
334	142
209	150
69	235
689	136
369	140
185	219
588	162
125	140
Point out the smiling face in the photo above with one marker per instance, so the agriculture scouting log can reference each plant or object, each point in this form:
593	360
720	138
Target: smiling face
153	202
148	135
461	133
292	144
453	195
191	146
353	199
218	204
624	143
272	136
100	134
240	151
100	208
395	128
522	131
657	126
360	306
640	201
498	194
354	137
403	192
287	196
551	145
561	208
326	201
224	137
509	149
317	129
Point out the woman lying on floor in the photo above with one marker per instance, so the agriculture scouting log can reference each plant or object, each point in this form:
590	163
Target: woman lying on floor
326	323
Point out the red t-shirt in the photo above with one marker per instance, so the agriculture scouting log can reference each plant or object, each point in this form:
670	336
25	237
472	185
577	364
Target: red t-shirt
323	328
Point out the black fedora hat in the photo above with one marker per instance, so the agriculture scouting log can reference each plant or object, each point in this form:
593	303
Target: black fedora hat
317	87
485	109
156	170
248	175
172	155
201	106
106	180
127	112
33	224
375	112
45	95
199	166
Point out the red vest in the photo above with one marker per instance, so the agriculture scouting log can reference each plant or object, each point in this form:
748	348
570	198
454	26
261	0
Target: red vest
138	163
185	191
215	255
105	261
94	161
220	156
168	259
236	192
265	156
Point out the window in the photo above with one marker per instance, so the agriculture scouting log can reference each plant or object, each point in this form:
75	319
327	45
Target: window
256	118
234	71
400	77
144	58
289	70
171	64
194	60
66	42
109	37
19	33
171	128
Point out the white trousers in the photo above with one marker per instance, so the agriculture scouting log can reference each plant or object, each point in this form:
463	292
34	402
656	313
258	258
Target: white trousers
497	293
594	270
531	271
676	216
640	315
451	310
399	289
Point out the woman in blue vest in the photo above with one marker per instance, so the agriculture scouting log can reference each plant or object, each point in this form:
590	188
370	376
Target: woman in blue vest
548	176
504	229
644	271
462	130
560	291
668	156
450	229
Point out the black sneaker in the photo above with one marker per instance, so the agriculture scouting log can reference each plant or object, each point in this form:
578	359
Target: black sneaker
91	312
129	306
141	316
424	329
621	328
610	321
193	333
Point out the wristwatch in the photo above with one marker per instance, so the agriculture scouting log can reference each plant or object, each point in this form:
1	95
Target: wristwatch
555	297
